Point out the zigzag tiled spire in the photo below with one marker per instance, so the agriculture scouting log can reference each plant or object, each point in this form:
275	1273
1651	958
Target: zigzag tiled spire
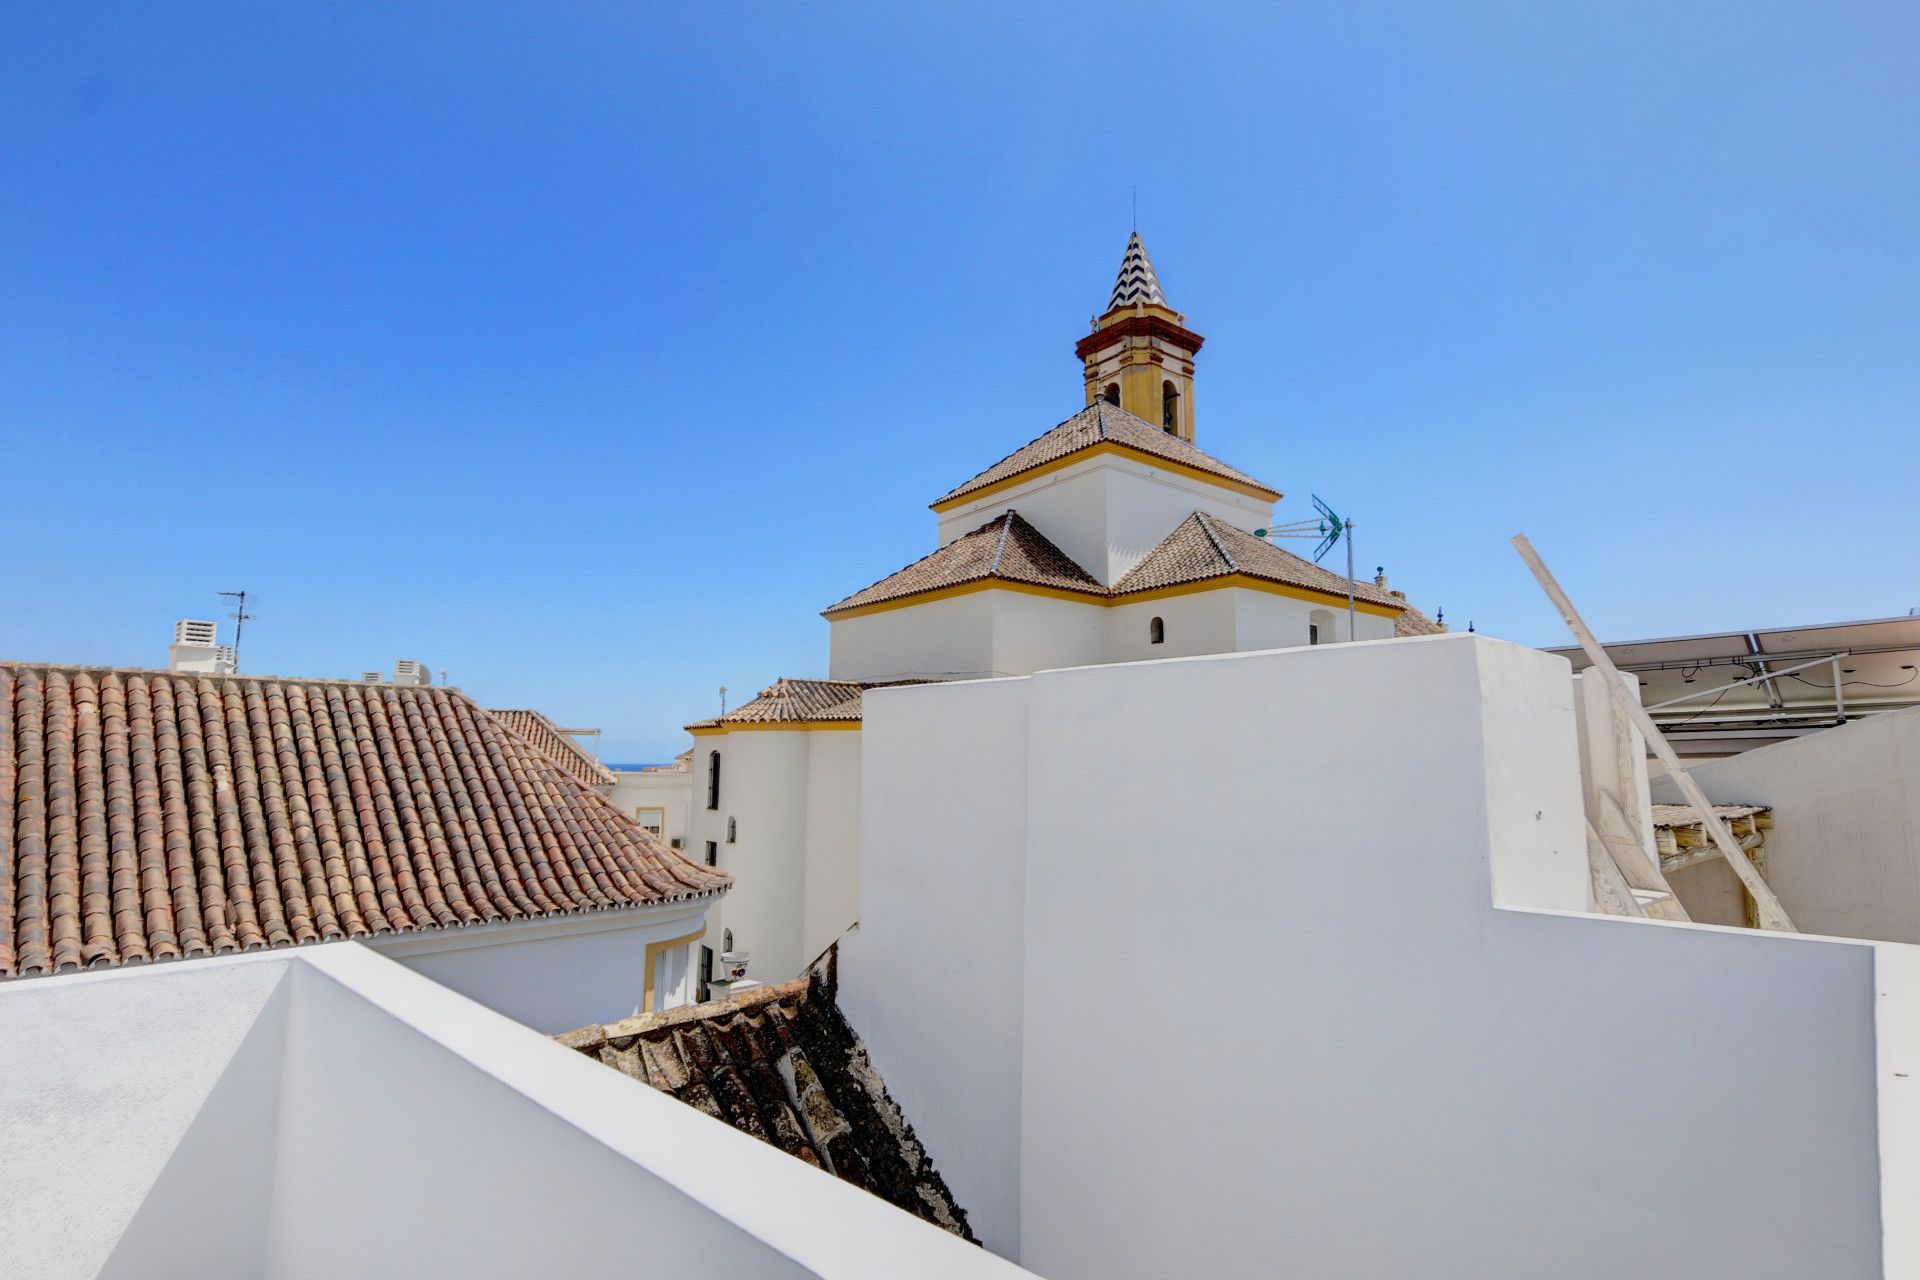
1137	282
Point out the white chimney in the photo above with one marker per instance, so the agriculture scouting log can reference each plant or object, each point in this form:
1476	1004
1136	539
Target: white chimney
408	671
196	647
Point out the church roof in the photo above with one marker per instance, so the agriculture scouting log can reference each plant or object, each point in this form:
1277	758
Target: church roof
781	1063
1202	547
1136	281
1005	549
149	815
1104	425
795	700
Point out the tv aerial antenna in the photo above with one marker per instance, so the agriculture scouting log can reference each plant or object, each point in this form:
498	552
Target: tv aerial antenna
1331	529
240	618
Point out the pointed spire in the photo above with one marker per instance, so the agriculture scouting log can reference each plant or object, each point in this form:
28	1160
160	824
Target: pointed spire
1136	282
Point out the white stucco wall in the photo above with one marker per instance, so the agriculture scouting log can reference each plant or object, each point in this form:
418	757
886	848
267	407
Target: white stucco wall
1199	623
765	789
1844	852
935	640
1032	633
1106	512
551	975
832	839
668	790
937	962
324	1112
128	1118
1388	1074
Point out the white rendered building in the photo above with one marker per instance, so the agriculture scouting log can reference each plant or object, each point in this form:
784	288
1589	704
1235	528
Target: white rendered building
1110	538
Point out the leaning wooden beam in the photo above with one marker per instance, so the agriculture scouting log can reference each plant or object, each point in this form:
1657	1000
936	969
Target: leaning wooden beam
1611	892
1770	914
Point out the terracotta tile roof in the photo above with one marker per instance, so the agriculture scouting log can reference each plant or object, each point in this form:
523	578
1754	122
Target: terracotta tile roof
1415	623
146	815
1101	423
782	1064
1006	548
1202	547
545	737
793	700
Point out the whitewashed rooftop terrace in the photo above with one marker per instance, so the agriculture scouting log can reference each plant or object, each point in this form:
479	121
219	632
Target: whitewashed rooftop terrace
327	1112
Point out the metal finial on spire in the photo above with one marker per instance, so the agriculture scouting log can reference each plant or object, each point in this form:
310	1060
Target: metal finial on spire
1136	281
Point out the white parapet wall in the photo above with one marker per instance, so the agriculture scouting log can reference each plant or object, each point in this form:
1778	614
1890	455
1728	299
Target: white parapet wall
326	1112
1412	1053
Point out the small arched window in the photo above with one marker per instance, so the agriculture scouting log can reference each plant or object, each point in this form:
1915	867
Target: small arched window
1169	407
1156	632
1112	394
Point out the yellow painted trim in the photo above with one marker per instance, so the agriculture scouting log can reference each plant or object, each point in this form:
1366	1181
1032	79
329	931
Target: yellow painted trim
778	726
1094	450
965	589
1247	581
1310	594
654	951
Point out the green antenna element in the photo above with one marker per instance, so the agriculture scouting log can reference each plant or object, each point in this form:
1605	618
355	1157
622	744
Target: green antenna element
1331	530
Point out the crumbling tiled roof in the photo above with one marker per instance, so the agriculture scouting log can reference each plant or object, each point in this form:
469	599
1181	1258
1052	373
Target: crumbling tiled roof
782	1064
1006	548
146	815
1202	547
1102	423
546	738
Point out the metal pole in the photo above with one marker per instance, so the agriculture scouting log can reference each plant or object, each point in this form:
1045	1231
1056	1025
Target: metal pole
1349	581
1839	693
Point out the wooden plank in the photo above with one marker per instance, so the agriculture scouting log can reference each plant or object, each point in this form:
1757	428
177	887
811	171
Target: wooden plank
1767	909
1611	892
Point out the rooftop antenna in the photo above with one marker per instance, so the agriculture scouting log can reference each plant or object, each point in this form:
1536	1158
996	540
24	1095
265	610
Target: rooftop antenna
1330	528
723	699
240	618
1136	206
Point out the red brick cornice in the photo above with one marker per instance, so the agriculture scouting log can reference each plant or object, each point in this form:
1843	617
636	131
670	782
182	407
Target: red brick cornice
1138	327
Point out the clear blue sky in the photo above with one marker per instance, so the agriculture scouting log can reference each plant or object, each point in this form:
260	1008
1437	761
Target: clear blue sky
587	351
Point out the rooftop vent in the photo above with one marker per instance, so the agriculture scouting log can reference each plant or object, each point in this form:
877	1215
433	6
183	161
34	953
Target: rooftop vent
409	671
196	647
372	677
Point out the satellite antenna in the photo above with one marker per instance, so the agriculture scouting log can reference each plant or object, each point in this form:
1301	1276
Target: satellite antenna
1330	528
240	618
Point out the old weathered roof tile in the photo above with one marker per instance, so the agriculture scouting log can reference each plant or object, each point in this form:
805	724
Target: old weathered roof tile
149	815
781	1063
1101	423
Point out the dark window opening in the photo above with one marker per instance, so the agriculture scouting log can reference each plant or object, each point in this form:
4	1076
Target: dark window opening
1112	393
1156	632
713	854
713	780
706	976
1313	633
1169	407
730	831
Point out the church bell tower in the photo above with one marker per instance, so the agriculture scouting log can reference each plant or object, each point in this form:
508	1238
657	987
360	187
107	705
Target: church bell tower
1140	353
